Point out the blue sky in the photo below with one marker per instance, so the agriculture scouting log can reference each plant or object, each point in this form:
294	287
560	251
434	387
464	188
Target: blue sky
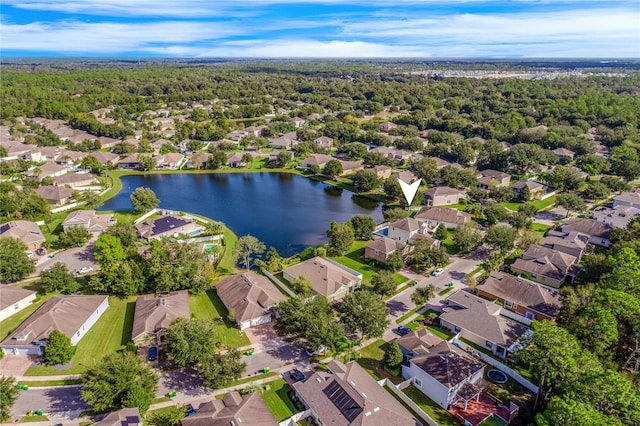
321	28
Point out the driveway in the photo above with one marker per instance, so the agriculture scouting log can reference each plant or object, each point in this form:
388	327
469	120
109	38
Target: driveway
75	258
261	333
16	365
58	403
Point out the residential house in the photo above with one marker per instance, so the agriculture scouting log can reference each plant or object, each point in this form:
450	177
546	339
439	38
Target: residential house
406	176
423	235
17	150
480	322
618	217
443	372
73	316
56	195
298	122
327	278
251	296
171	160
563	153
153	315
346	395
324	142
398	155
628	199
349	167
382	172
168	226
442	196
546	266
14	299
75	180
122	417
232	410
199	160
489	179
387	127
70	158
51	170
89	220
107	142
433	217
441	164
382	248
598	232
573	243
24	230
129	162
108	159
536	190
236	160
319	160
404	229
283	142
521	296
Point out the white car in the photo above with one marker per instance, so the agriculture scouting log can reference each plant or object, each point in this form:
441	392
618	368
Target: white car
321	350
85	270
438	272
29	254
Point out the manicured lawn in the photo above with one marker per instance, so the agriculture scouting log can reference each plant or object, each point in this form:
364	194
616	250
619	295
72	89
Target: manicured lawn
8	325
208	305
443	334
43	383
354	260
370	358
253	378
445	291
538	204
227	264
110	333
407	315
540	228
437	413
34	419
277	399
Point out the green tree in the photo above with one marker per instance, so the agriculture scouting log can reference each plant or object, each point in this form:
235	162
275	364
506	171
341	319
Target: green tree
467	237
496	259
302	286
273	261
383	283
440	233
284	158
392	188
527	237
422	295
597	191
246	249
58	278
571	202
75	236
391	215
525	194
365	312
332	169
501	237
144	199
113	382
170	416
8	396
188	341
424	256
58	349
146	162
363	226
571	412
125	232
365	180
340	238
395	261
219	370
90	199
393	355
15	263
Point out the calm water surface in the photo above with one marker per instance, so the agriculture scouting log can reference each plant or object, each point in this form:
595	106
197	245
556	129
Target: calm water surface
289	212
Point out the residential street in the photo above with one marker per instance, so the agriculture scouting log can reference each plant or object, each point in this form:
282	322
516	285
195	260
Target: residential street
75	258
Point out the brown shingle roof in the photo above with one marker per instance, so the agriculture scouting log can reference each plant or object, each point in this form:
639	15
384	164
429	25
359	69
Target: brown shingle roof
441	214
386	245
407	224
26	231
154	314
233	409
11	295
326	278
249	294
447	364
590	227
442	190
122	417
54	193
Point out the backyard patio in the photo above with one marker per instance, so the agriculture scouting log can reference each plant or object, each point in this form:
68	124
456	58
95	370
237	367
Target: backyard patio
478	411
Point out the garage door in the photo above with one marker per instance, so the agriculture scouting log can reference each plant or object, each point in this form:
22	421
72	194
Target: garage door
261	320
23	351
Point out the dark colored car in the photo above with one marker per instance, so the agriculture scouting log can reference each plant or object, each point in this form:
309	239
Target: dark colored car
190	410
402	330
297	375
153	353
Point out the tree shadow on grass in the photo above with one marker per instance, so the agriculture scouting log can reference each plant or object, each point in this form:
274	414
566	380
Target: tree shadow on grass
128	323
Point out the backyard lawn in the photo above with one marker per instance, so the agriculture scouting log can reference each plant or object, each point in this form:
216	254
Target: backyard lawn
370	358
110	333
277	399
8	325
441	416
540	228
209	305
354	260
538	204
227	264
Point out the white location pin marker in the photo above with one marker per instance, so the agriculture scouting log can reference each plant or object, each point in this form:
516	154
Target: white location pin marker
409	190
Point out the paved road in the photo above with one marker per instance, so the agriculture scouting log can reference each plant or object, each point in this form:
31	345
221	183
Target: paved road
75	258
64	401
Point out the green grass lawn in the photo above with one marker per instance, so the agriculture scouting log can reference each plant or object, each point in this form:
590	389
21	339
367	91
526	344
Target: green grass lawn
354	260
437	413
8	325
43	383
538	204
227	264
370	358
277	400
208	305
407	315
540	228
110	333
34	419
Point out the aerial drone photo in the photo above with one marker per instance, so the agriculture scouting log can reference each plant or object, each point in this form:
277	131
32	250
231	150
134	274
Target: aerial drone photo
319	212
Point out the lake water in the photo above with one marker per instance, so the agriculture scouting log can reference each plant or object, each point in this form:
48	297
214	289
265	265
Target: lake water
283	210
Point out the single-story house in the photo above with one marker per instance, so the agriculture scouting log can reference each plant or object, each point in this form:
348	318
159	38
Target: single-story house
75	179
19	150
536	189
235	160
153	315
404	229
346	395
108	159
406	176
298	122
382	172
442	196
56	195
573	243
129	162
168	226
521	296
327	278
89	220
443	372
618	216
382	248
386	127
319	160
171	160
323	142
598	232
24	230
14	299
629	198
398	155
436	216
232	409
51	170
562	153
349	167
199	160
107	142
546	266
283	142
479	321
73	316
488	179
251	296
122	417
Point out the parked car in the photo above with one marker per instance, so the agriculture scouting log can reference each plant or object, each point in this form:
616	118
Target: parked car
438	272
190	410
29	254
296	375
85	270
402	330
319	351
153	353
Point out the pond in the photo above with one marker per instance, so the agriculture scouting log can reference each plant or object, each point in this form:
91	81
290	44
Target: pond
287	211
